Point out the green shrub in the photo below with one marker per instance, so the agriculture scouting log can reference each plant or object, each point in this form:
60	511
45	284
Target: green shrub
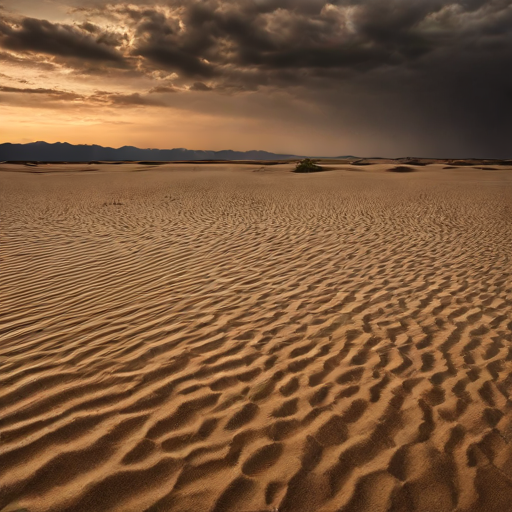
307	165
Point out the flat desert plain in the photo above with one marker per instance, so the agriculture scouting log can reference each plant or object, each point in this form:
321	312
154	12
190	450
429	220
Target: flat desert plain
237	337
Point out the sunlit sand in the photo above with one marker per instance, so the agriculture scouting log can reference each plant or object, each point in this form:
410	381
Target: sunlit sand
237	337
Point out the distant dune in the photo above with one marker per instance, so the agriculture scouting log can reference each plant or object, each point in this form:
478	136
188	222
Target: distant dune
226	337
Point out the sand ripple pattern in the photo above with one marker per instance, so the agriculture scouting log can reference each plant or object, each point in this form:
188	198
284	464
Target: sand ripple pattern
225	340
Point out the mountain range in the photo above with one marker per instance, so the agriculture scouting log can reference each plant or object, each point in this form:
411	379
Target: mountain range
64	152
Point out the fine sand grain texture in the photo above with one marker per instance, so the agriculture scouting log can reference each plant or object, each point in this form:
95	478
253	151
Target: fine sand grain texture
211	338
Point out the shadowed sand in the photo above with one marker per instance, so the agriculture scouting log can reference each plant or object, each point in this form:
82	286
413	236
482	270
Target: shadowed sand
211	338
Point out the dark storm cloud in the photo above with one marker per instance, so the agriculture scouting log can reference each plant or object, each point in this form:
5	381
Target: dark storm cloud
56	39
402	66
160	40
89	27
63	95
163	89
200	86
272	42
287	43
174	59
28	61
103	98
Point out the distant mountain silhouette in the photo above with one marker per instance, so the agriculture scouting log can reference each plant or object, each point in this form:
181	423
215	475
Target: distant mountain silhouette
64	152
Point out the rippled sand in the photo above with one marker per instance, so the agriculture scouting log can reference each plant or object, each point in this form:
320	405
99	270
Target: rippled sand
241	338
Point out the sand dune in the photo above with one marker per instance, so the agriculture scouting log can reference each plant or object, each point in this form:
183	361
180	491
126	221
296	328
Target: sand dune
211	338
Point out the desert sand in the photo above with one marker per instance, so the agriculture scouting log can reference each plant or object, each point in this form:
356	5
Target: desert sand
237	337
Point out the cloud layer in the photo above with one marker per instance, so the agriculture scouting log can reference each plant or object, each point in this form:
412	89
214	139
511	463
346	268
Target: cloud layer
432	72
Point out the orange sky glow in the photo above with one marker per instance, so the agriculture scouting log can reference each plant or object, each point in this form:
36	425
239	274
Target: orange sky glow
306	77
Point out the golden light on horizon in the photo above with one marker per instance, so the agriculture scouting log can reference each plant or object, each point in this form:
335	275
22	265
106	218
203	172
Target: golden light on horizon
315	79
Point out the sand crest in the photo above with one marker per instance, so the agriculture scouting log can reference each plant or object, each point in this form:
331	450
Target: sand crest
211	338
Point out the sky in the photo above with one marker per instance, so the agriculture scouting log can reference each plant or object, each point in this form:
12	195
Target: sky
425	78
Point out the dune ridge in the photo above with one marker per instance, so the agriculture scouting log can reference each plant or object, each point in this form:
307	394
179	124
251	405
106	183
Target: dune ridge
227	340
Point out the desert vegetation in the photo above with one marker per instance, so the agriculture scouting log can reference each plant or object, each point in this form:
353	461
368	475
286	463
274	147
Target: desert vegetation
401	168
307	165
